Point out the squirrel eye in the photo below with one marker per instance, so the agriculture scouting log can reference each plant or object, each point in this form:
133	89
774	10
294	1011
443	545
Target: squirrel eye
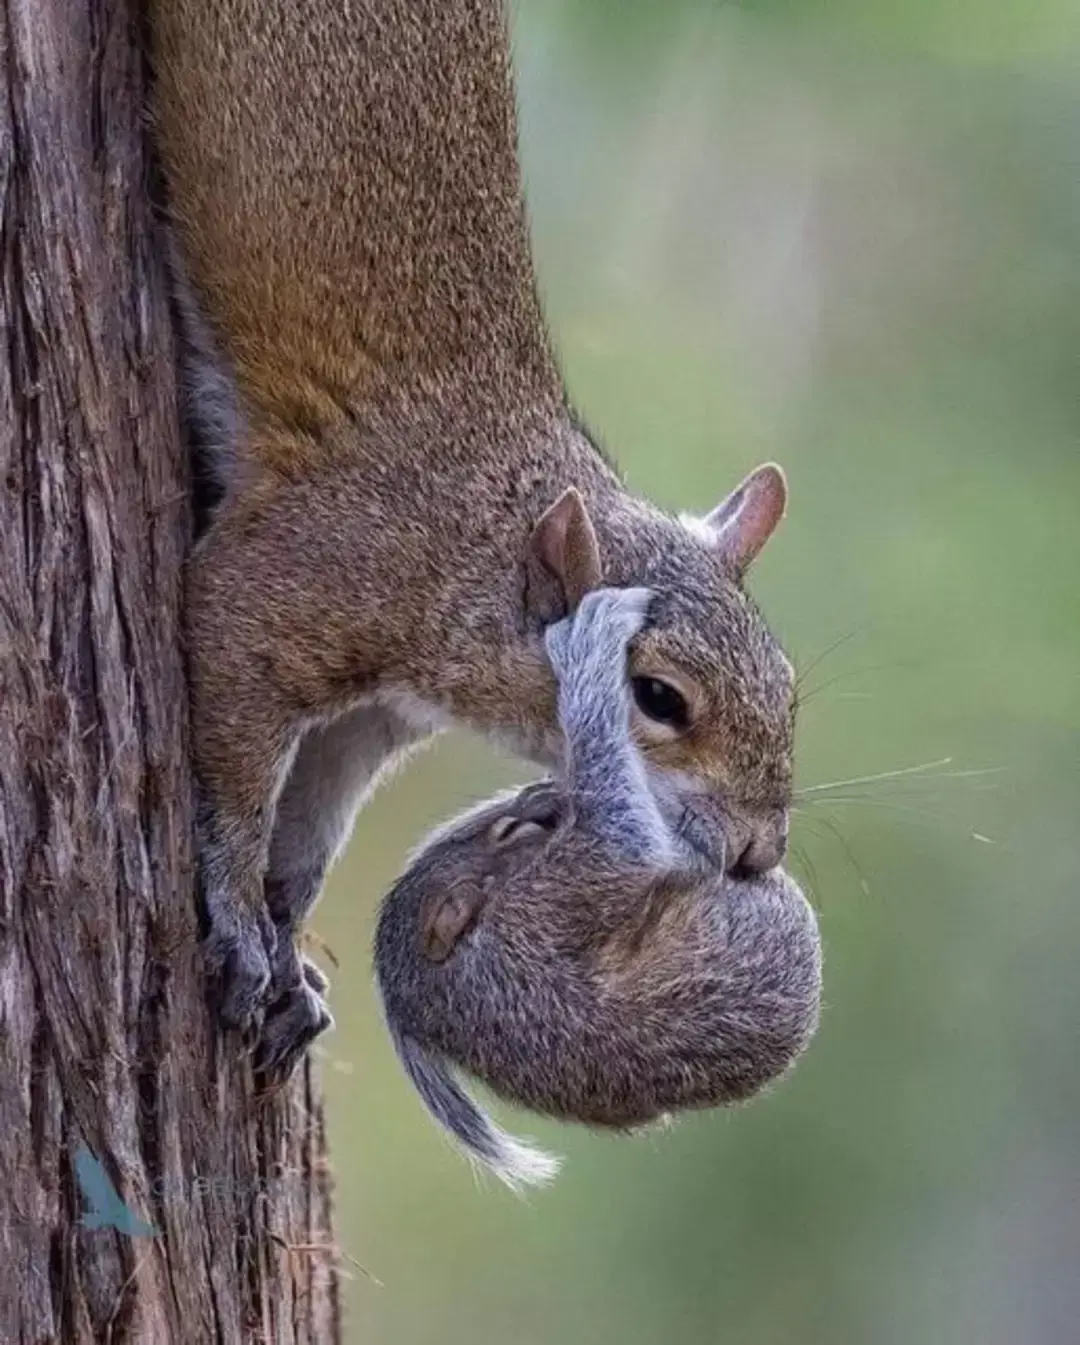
510	830
661	701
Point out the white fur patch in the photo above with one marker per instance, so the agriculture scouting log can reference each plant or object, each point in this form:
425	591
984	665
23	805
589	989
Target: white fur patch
420	714
700	529
517	1163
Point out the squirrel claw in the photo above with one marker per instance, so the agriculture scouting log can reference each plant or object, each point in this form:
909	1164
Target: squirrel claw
291	1025
314	976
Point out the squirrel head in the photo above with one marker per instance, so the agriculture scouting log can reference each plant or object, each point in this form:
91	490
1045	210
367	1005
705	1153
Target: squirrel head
598	999
714	693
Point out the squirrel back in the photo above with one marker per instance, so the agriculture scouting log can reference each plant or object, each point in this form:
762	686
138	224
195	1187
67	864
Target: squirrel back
345	181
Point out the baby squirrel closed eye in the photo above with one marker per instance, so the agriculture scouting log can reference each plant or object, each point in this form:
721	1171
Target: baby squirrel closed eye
566	947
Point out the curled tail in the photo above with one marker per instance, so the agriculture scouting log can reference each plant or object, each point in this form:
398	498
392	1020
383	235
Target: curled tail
513	1161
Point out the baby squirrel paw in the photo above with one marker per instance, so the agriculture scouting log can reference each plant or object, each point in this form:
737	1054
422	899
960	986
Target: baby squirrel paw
595	637
292	1024
238	950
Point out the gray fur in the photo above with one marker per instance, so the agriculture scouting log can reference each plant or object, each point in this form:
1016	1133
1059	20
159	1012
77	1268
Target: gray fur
604	772
209	403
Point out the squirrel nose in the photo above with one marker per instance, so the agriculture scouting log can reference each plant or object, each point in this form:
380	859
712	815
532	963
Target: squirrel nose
762	849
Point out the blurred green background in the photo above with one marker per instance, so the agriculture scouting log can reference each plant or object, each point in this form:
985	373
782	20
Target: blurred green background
845	236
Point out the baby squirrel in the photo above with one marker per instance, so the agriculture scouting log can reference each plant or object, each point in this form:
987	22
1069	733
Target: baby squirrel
567	946
409	499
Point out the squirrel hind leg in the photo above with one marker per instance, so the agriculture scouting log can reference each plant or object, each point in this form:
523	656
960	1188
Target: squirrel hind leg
515	1162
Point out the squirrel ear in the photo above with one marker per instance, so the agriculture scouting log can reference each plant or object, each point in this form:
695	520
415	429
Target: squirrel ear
741	525
446	920
563	558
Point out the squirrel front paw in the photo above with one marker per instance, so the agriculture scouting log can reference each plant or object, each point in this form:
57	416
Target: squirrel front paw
238	950
297	1011
292	1023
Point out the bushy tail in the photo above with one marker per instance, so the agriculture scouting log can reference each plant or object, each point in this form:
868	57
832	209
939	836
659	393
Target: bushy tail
513	1161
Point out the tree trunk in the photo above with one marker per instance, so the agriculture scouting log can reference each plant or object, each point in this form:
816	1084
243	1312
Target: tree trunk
113	1076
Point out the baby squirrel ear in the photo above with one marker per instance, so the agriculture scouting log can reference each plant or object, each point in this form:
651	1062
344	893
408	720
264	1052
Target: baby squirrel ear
741	525
563	558
445	920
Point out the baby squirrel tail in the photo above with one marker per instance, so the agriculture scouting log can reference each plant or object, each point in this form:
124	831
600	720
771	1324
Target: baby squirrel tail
513	1161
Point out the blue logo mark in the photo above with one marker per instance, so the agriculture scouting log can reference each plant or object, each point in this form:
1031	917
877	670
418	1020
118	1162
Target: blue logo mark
104	1208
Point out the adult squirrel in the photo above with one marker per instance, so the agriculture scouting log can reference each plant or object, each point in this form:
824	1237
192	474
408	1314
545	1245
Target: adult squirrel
565	945
409	499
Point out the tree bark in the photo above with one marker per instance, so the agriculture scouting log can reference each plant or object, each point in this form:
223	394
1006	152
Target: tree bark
108	1043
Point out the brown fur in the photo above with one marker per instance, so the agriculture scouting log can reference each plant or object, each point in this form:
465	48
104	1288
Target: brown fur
344	183
344	174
